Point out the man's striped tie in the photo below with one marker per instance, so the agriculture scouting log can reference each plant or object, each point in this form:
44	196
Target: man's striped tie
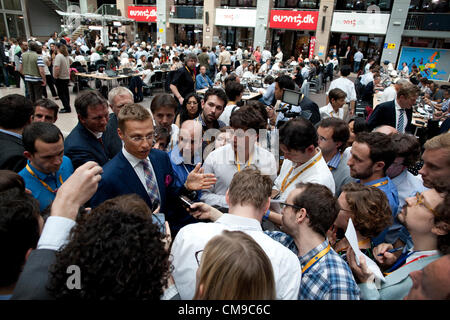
401	120
150	181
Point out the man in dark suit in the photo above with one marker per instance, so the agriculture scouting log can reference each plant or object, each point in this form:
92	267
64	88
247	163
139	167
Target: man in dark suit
142	170
398	112
85	142
117	98
15	114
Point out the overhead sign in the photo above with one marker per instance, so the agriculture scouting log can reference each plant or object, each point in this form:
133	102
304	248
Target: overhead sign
289	19
236	17
142	14
352	22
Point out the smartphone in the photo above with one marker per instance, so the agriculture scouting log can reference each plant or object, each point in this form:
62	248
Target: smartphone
186	202
160	220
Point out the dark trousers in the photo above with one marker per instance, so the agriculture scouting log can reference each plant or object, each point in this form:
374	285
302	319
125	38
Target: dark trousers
35	89
51	85
5	75
62	86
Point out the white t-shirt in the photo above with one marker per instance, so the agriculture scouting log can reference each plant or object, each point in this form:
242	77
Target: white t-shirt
226	114
389	94
147	73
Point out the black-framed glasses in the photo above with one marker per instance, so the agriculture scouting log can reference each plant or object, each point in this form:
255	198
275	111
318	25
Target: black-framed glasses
284	205
198	256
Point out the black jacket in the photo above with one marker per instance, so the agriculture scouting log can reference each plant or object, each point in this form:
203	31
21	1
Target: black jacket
384	114
11	155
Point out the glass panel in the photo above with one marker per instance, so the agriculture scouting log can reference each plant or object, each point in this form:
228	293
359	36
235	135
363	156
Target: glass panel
360	5
2	25
16	26
12	4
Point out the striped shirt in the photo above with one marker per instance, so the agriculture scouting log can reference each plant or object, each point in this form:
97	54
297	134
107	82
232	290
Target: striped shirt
40	63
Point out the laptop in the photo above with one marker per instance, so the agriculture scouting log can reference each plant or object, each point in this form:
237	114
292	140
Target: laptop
111	73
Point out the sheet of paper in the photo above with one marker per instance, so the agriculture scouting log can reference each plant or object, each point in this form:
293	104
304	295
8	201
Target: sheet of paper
350	234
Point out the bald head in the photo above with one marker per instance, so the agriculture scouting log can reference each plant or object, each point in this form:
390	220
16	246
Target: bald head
190	139
432	282
388	130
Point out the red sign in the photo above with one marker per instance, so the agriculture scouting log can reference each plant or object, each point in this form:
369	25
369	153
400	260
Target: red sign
288	19
143	14
312	46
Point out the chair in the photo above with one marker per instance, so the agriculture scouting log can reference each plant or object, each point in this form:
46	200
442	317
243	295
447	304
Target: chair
156	81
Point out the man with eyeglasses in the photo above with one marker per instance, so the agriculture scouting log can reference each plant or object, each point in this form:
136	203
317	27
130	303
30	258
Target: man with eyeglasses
142	170
117	98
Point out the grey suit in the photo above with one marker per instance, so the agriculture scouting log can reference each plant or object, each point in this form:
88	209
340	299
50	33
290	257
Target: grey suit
33	280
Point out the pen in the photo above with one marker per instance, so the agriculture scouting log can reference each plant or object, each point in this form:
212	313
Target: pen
392	251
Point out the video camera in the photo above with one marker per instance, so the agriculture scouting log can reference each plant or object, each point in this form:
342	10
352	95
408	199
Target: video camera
292	98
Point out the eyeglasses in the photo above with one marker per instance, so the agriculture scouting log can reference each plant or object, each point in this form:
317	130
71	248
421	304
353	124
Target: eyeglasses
198	256
139	139
192	102
284	205
421	200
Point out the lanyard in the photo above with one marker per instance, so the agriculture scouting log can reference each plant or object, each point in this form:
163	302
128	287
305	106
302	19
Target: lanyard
396	266
316	258
239	166
42	182
286	184
360	244
192	75
382	183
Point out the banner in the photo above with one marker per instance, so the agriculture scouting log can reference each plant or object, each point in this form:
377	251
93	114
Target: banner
288	19
236	17
366	23
142	14
312	46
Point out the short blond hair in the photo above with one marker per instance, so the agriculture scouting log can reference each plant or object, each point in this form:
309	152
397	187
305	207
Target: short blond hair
250	187
235	267
441	141
132	111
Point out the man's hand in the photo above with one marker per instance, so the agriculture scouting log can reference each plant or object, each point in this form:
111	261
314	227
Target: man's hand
76	190
362	272
197	180
386	259
200	210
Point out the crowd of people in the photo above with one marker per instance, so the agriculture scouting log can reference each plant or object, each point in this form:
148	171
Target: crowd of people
208	197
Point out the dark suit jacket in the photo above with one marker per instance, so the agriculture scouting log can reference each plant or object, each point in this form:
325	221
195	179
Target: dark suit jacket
119	178
82	146
111	139
11	155
34	277
384	114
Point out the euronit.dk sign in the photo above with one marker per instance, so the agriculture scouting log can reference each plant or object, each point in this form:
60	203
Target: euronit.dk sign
142	14
288	19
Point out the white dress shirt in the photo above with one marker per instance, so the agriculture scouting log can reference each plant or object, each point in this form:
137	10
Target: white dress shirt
318	173
397	115
328	112
239	71
194	237
366	78
139	169
345	85
222	163
389	94
226	114
358	56
407	185
279	57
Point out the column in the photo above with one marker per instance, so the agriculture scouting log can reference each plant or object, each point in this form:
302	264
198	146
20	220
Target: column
130	30
323	29
262	23
163	29
395	29
209	26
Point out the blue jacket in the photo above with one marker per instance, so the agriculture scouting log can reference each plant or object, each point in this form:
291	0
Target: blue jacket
202	82
82	146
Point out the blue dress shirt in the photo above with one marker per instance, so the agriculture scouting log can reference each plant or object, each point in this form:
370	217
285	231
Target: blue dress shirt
40	192
202	82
